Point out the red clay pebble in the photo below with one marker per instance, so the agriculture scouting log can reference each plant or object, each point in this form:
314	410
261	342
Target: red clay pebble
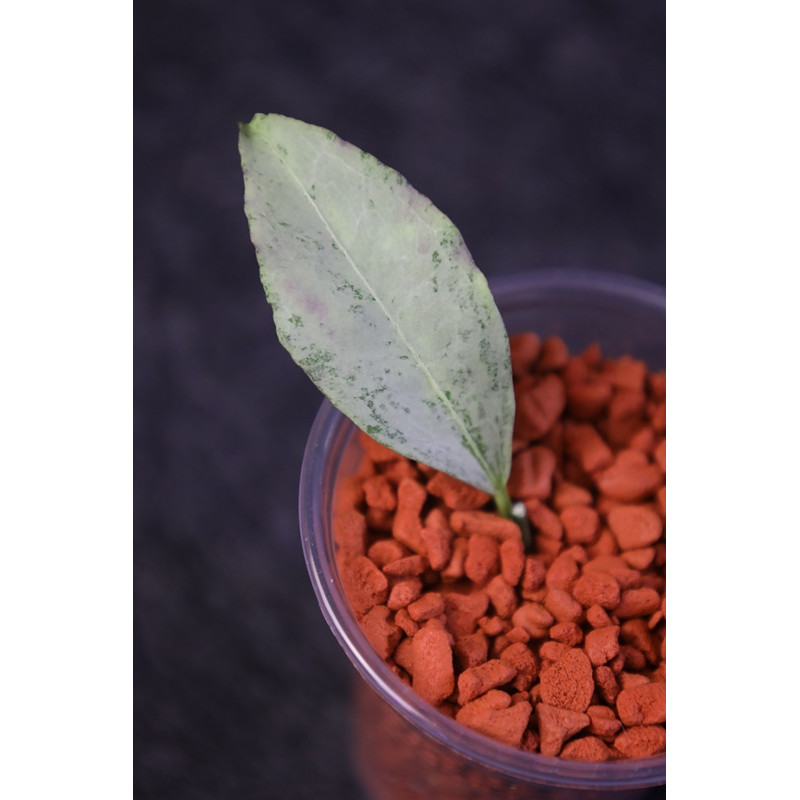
404	592
483	558
615	566
518	634
476	681
384	551
502	596
578	552
494	715
406	567
350	533
645	440
497	645
641	741
554	355
621	433
604	723
472	649
638	603
532	473
627	403
567	633
626	373
534	618
607	683
382	633
433	677
512	560
597	589
556	725
597	617
407	527
544	519
563	606
617	664
645	704
533	576
587	447
568	494
521	657
634	659
464	610
404	622
588	399
631	478
604	545
366	585
545	548
430	605
493	626
568	683
437	545
581	524
593	354
525	349
379	493
586	748
551	651
635	526
627	680
539	408
637	632
602	644
455	566
563	572
456	494
641	558
404	655
469	523
520	697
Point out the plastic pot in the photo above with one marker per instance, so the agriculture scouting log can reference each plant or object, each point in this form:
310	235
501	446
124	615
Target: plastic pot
402	747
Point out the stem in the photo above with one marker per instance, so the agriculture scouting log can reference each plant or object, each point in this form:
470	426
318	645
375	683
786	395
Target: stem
503	502
520	515
517	512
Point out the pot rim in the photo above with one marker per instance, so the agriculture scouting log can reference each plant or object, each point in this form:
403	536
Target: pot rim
330	434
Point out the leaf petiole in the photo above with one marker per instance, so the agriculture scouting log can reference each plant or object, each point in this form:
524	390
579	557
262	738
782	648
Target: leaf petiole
502	502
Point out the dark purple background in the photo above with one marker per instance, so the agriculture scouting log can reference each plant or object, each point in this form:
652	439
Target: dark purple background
538	127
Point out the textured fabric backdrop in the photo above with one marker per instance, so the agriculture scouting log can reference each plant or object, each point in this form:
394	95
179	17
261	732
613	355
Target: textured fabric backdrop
538	127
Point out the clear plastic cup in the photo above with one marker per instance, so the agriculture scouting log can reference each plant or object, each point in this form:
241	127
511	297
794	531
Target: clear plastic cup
403	748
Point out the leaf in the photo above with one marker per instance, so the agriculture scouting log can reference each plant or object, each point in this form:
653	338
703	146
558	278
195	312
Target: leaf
376	297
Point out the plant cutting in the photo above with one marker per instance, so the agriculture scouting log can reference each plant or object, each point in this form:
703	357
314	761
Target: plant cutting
376	297
502	541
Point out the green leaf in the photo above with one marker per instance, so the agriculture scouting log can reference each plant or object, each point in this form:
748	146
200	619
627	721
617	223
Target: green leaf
375	295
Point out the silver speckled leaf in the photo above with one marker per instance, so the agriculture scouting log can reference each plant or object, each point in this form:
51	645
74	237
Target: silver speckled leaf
376	297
